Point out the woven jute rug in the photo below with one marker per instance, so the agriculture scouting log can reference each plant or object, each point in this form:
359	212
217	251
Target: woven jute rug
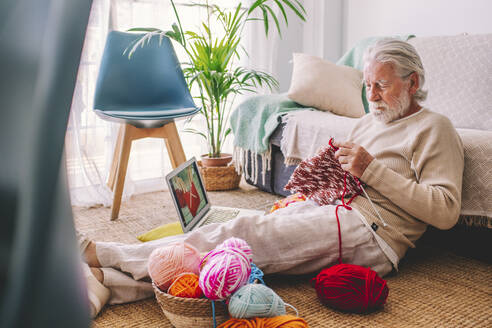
434	288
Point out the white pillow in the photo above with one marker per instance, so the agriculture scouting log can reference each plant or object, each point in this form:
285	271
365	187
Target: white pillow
323	85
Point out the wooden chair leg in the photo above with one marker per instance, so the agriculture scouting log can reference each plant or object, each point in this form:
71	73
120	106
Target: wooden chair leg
173	144
126	135
116	158
127	139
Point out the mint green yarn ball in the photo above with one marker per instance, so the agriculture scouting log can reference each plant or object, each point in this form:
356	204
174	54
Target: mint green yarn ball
255	300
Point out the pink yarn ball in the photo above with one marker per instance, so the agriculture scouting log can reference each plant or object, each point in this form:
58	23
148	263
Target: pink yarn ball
225	271
234	242
166	263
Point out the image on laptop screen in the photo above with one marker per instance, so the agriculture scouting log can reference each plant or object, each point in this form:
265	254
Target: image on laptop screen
188	192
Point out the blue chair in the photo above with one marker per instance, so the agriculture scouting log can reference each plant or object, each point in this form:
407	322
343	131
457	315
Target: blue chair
145	93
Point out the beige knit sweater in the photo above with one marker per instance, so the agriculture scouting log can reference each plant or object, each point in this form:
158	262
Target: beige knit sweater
415	178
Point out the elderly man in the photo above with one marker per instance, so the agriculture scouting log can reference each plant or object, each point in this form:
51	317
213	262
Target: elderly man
410	158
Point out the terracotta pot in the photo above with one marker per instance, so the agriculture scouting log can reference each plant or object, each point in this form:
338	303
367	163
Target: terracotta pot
223	160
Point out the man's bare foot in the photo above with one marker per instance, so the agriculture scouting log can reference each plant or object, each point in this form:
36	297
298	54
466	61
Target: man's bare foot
90	256
98	293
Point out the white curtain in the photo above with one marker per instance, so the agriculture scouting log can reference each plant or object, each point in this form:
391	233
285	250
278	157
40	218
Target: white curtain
90	140
320	36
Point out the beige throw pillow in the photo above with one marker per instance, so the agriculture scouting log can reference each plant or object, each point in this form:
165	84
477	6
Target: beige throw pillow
323	85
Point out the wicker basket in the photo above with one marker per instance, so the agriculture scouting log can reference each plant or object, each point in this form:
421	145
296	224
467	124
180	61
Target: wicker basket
219	177
190	312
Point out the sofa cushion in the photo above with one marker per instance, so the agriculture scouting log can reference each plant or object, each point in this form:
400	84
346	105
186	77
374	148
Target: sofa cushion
476	196
459	77
318	83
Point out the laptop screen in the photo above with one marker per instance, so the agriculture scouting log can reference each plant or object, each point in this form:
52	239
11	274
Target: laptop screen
188	192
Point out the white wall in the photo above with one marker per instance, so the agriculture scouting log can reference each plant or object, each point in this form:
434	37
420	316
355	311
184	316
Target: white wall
364	18
334	26
321	35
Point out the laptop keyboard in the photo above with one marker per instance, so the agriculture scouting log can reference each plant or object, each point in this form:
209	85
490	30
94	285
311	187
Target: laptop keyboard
218	215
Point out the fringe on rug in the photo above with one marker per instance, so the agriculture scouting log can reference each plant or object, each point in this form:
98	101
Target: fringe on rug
476	221
240	158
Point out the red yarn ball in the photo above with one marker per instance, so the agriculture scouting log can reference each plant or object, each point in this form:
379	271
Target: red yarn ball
350	288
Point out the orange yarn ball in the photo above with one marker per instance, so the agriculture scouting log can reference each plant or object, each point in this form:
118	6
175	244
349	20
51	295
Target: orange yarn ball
186	285
282	321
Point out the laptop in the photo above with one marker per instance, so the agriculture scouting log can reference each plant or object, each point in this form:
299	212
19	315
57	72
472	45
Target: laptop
191	200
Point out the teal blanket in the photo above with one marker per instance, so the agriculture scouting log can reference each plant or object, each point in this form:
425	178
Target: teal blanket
254	121
353	58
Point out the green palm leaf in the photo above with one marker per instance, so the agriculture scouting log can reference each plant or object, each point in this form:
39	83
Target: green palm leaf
210	67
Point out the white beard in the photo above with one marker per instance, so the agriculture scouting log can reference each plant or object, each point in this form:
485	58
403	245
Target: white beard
390	114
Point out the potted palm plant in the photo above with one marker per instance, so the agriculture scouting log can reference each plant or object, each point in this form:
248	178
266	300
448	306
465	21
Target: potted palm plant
212	51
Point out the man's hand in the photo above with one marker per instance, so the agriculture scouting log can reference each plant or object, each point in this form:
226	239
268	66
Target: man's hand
353	158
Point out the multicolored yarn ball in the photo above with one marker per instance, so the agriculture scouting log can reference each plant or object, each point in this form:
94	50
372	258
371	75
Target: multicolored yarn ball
234	242
168	262
291	199
284	321
351	288
255	300
186	285
225	271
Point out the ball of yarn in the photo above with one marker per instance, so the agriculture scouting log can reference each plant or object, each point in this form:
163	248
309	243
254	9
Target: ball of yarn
351	288
166	263
234	242
284	321
225	271
255	300
186	285
256	275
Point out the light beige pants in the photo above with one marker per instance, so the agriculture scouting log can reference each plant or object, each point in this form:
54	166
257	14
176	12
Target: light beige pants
301	238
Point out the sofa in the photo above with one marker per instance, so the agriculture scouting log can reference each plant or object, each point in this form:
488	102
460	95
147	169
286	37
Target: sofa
459	80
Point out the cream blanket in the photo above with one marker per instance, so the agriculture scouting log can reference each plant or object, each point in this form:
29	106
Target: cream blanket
307	131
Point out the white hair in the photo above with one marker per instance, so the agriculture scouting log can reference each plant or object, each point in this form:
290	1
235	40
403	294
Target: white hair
404	58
